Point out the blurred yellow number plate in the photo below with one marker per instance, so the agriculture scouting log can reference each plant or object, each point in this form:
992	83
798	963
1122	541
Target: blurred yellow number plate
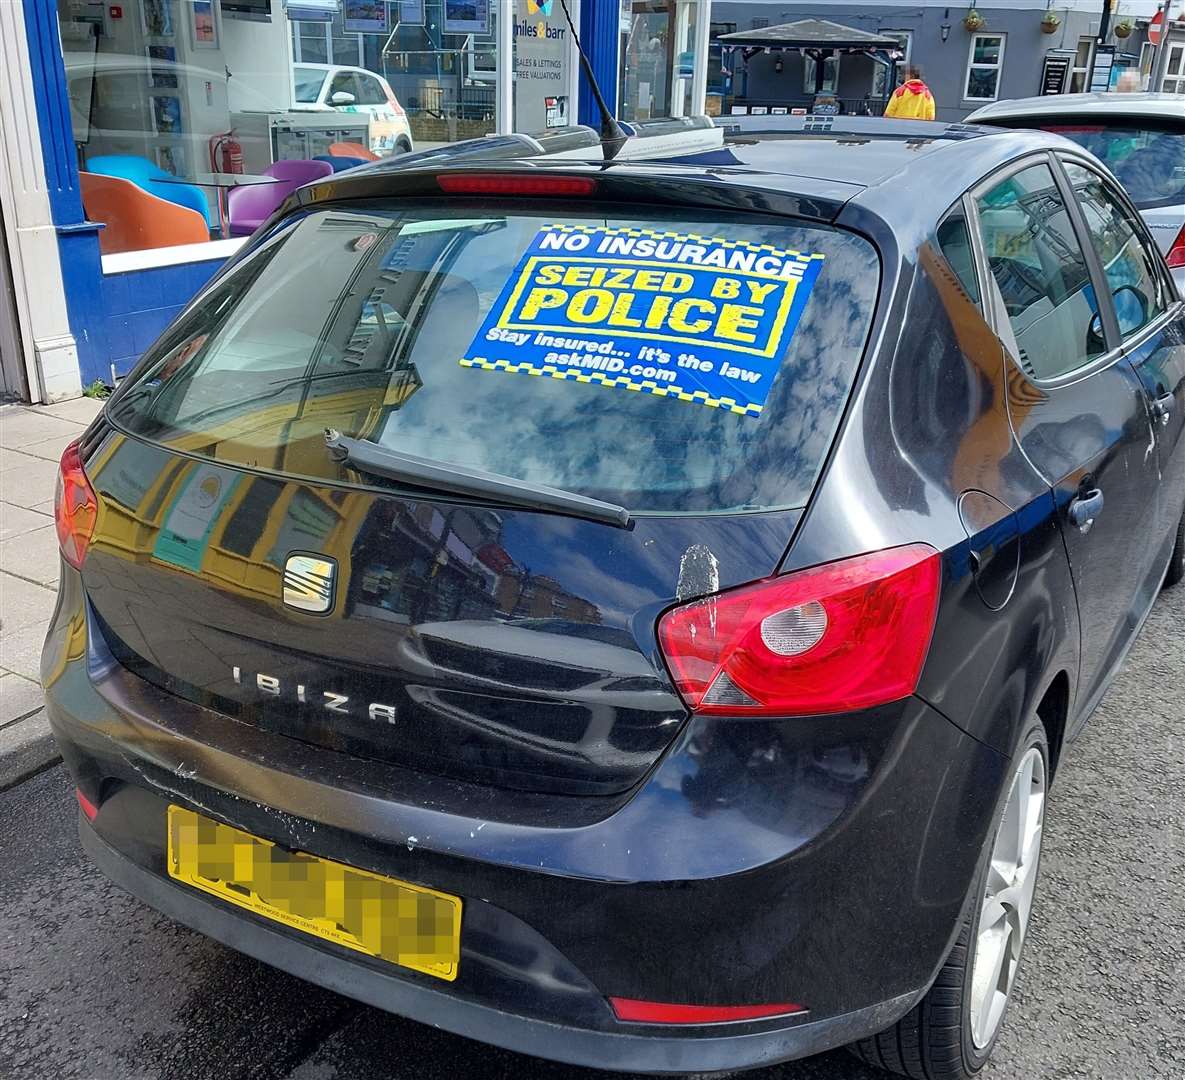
393	920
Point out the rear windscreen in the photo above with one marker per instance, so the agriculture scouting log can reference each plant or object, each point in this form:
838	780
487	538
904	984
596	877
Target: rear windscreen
662	362
1147	157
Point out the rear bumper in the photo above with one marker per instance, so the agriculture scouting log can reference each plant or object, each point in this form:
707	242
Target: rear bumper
625	1050
823	862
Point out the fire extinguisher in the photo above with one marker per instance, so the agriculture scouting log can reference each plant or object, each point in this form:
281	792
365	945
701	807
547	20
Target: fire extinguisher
226	153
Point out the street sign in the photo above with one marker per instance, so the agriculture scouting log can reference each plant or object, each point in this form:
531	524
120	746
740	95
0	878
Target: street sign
1054	74
1156	27
1100	75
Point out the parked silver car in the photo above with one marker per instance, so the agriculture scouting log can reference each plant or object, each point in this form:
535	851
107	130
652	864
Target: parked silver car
1140	137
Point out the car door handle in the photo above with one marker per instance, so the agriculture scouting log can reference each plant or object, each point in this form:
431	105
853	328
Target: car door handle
1085	508
1163	407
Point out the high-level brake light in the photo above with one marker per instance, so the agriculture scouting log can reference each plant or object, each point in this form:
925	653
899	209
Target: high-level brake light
516	184
835	638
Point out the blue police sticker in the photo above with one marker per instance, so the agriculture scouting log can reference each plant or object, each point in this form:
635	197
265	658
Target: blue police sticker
699	319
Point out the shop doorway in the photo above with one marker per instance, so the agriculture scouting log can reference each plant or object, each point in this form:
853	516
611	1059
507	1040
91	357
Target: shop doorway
12	365
657	58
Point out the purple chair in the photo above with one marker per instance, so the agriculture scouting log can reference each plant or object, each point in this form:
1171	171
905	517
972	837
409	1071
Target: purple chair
250	206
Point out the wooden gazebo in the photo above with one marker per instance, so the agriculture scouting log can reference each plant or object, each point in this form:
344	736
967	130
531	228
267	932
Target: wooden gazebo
820	39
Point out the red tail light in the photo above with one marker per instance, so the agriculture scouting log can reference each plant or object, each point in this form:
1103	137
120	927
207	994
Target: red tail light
516	184
75	508
1177	251
88	807
661	1012
834	638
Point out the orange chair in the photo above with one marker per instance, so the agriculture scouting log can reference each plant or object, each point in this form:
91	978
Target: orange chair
134	219
352	149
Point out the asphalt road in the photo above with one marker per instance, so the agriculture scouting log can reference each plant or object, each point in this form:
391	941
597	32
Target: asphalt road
93	984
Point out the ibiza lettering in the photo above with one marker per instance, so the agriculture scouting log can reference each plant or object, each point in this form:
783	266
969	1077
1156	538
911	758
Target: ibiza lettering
326	699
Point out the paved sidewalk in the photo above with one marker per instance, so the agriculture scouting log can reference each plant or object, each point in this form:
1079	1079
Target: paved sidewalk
32	439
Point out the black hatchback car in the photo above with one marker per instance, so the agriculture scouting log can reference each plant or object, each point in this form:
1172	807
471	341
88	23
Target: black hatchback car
631	612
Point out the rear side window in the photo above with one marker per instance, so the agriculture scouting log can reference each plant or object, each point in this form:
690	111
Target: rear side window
954	240
371	91
1039	274
1147	157
1129	264
666	364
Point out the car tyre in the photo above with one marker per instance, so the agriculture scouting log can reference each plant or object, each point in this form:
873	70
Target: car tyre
946	1035
1176	570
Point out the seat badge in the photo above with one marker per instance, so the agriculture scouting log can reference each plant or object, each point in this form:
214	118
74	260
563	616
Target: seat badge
309	583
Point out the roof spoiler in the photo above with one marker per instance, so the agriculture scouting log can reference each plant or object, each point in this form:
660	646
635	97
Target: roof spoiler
650	139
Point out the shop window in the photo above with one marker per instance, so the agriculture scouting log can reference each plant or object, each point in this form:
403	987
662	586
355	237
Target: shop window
830	74
310	43
658	59
1174	72
984	61
174	102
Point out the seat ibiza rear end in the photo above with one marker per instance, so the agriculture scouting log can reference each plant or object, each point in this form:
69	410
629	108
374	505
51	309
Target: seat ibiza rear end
533	601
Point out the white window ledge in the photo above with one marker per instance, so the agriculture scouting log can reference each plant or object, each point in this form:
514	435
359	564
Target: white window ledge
123	262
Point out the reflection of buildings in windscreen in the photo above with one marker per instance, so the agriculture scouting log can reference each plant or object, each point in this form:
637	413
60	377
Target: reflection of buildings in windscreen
401	290
403	546
182	355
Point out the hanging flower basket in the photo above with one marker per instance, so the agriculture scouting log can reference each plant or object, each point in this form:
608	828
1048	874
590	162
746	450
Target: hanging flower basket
1123	29
974	21
1050	23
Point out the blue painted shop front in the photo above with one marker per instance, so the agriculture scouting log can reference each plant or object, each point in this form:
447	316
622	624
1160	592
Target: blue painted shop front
136	306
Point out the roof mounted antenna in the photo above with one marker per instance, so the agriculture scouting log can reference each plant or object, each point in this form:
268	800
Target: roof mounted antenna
613	138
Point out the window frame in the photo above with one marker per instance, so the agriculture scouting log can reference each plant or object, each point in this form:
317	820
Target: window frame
1147	63
297	38
1178	80
808	74
998	318
879	71
997	67
1083	71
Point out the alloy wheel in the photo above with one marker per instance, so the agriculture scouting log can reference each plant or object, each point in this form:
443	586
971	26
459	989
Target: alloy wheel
1008	897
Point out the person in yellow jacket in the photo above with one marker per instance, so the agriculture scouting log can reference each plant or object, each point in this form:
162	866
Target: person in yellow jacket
912	100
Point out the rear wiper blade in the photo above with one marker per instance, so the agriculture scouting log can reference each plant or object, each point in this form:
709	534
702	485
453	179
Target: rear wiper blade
461	480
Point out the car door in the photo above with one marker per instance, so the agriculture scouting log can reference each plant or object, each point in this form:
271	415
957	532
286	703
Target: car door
1151	324
1076	406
